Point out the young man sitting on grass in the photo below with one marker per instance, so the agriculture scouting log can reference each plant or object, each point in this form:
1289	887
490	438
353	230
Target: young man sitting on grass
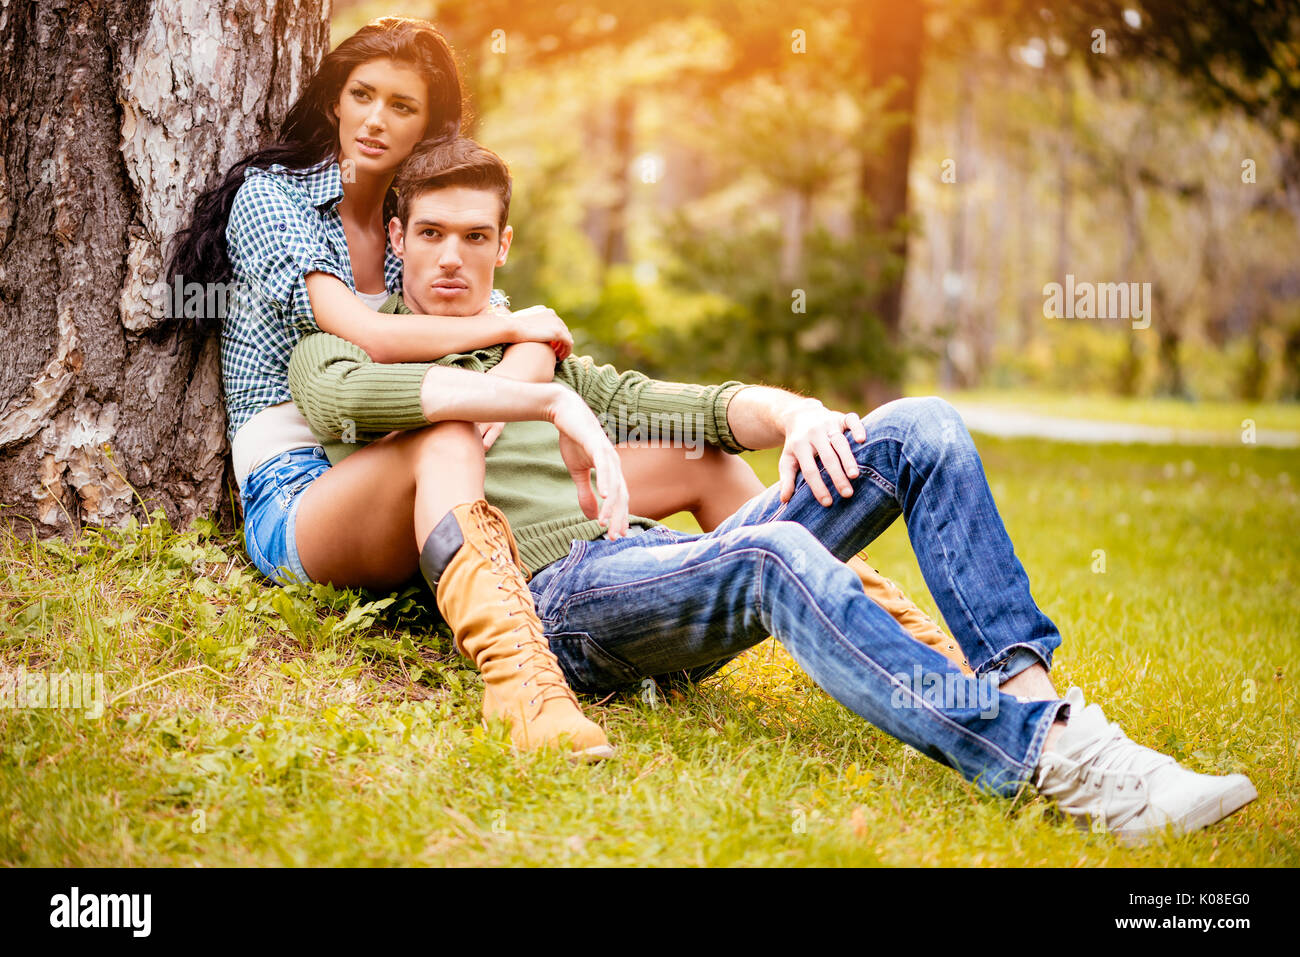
615	610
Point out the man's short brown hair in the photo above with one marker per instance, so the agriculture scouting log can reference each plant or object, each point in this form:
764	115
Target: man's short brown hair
456	162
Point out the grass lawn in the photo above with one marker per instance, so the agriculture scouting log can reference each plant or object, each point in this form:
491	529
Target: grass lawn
253	725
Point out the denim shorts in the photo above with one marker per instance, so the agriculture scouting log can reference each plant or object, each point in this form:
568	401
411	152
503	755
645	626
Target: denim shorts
271	495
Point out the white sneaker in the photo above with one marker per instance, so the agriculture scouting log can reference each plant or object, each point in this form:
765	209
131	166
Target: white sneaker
1101	778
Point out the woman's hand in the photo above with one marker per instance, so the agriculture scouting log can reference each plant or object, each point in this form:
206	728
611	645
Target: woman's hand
541	324
585	446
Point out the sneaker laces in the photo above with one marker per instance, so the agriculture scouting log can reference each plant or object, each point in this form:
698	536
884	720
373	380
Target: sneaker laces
1111	756
1115	754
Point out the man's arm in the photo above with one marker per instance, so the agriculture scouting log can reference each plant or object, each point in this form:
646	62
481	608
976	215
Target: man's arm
761	417
338	388
631	401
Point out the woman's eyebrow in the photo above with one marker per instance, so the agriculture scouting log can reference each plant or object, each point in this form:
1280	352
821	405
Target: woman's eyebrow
396	96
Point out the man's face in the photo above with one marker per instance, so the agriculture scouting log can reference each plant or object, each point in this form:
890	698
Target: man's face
450	250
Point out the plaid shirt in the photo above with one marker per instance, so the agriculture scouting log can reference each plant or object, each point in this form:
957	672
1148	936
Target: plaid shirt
282	226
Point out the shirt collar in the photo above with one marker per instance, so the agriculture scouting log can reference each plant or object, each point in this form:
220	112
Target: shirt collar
323	184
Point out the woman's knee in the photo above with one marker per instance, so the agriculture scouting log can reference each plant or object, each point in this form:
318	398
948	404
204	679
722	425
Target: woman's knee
448	441
716	473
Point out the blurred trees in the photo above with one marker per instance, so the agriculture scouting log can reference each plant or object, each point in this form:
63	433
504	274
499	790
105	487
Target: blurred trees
1149	142
833	195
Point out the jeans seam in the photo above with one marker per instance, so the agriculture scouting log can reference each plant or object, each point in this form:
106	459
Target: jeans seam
923	705
576	550
291	541
1039	740
1006	654
947	563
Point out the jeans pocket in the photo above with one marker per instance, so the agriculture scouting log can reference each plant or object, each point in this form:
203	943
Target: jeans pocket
251	546
555	574
590	668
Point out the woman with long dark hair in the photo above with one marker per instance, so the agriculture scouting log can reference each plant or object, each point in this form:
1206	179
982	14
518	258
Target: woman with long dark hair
300	227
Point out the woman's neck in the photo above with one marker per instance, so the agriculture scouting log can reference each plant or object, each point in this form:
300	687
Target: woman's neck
363	200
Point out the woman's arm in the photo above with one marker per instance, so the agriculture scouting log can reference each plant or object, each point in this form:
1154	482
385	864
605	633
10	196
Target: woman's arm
526	362
421	338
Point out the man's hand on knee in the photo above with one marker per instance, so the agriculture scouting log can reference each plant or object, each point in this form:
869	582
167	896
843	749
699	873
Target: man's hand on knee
814	432
761	417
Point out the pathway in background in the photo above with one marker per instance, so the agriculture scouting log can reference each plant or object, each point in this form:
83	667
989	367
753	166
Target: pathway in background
1014	423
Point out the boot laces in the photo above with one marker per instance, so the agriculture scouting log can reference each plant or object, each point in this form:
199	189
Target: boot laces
545	675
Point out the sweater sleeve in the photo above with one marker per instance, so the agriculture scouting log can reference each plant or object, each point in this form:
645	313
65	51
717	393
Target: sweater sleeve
631	404
341	391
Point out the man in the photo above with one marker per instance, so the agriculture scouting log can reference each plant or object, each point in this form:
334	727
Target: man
621	608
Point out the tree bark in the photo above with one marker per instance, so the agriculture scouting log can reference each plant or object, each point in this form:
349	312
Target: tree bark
113	115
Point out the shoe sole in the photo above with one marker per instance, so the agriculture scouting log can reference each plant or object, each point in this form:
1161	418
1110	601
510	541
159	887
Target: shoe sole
591	755
1208	812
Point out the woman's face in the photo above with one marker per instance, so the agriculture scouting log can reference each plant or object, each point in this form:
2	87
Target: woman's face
383	111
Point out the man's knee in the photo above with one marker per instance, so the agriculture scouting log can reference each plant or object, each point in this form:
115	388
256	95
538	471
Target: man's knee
788	544
928	420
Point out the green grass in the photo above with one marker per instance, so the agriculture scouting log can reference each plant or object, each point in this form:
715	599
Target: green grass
252	725
1226	417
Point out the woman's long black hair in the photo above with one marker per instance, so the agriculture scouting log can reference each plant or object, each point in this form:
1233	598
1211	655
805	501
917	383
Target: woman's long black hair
310	132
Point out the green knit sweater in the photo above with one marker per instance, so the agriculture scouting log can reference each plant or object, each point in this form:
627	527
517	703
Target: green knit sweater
350	400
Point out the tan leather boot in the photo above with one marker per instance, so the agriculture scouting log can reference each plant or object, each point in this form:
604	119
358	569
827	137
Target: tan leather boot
472	563
917	623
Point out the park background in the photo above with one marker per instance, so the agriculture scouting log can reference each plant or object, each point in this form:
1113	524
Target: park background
855	200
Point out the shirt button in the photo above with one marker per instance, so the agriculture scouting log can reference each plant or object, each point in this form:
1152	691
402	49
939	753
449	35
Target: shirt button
283	227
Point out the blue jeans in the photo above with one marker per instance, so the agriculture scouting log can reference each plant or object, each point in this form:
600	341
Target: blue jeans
664	602
270	497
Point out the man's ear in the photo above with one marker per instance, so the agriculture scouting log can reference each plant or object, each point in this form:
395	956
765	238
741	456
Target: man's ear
507	235
396	237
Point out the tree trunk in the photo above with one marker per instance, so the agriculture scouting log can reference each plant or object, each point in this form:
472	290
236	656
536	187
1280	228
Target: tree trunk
613	249
113	115
959	351
895	41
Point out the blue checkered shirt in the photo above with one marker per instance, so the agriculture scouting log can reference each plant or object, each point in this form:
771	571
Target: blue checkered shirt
282	226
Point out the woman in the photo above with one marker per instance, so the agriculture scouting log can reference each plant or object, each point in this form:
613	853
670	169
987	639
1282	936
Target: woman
301	226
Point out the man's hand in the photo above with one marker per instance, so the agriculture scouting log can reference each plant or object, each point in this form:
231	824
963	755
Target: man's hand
490	432
585	446
541	324
813	432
